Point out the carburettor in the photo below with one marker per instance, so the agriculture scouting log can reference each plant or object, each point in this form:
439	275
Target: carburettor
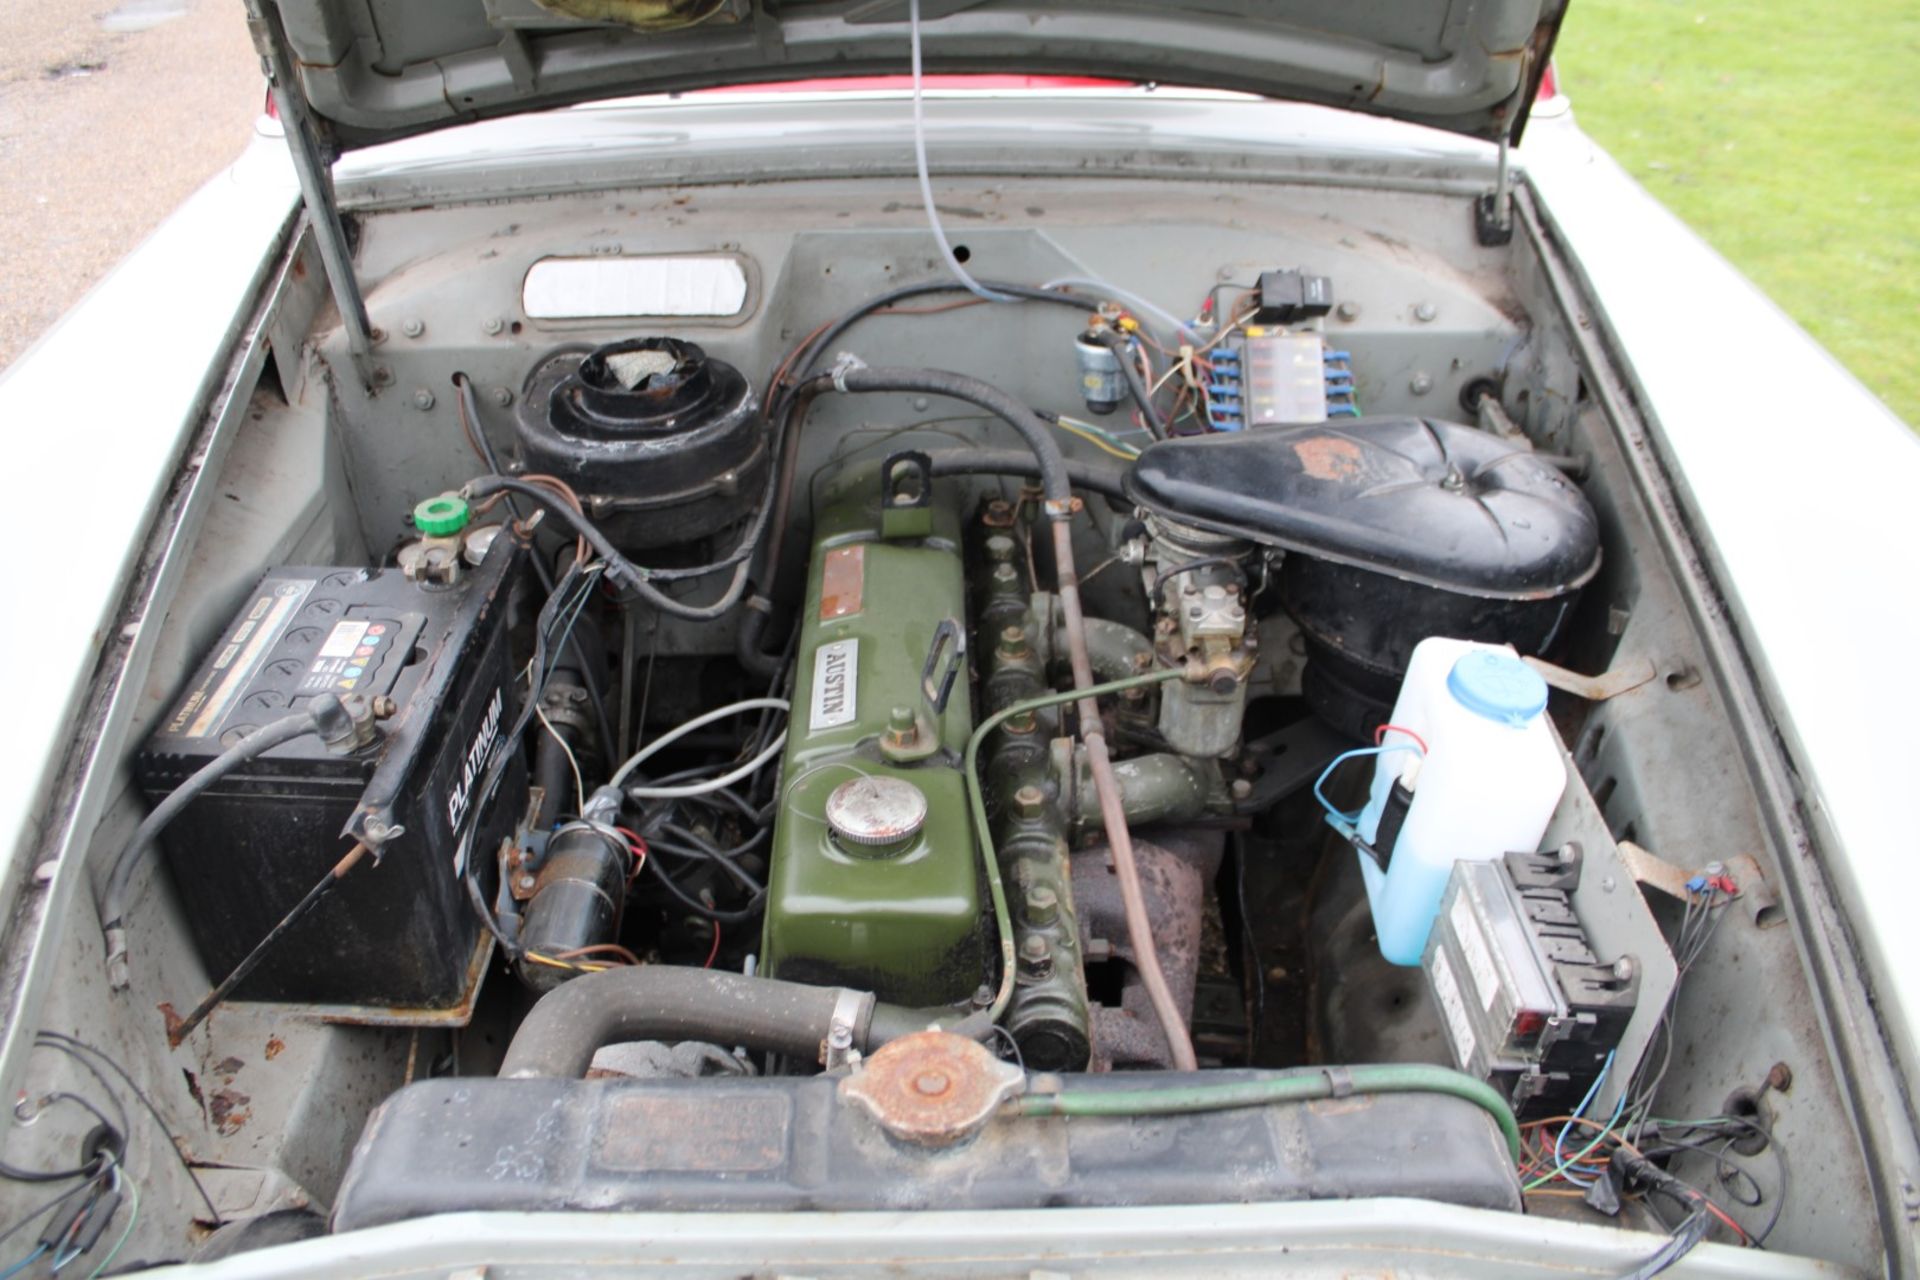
1202	623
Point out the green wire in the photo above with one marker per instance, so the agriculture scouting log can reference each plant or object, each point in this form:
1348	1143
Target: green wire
133	1216
1003	918
1573	1159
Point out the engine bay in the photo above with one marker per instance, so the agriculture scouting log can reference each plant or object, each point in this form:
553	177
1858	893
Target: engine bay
717	716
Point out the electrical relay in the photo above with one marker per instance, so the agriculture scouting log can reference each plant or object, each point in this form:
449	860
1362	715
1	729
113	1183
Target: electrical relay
1268	376
397	941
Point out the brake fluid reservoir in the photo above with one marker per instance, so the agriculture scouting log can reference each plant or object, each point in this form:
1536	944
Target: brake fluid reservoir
1477	775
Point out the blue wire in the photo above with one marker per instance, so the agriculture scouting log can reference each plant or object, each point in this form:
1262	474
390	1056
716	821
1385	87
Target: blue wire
1593	1091
24	1263
1344	821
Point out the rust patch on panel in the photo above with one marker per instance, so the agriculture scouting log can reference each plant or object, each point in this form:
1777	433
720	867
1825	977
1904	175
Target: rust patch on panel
228	1110
843	582
1329	458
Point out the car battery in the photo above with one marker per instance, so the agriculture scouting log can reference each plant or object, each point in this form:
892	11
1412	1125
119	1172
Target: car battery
1527	1004
397	941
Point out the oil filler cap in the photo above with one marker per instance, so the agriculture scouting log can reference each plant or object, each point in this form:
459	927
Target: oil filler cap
876	812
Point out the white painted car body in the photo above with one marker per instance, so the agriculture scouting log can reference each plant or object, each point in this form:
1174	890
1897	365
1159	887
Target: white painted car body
1793	483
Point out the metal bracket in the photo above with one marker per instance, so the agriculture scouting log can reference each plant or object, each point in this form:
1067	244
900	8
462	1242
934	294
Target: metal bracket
1493	210
1655	872
950	640
1611	683
311	164
906	495
837	1051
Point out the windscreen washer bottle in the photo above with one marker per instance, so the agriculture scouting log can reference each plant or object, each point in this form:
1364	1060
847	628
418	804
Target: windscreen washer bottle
1471	772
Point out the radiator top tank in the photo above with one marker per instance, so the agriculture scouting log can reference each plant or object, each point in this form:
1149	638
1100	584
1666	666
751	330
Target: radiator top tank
875	880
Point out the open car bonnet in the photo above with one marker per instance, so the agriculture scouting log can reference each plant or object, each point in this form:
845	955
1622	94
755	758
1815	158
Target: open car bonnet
373	70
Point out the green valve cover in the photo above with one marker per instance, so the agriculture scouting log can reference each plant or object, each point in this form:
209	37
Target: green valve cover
876	885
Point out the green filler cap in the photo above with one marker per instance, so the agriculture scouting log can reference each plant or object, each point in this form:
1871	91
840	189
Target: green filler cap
441	516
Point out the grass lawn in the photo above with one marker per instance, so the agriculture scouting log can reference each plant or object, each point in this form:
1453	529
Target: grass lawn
1787	134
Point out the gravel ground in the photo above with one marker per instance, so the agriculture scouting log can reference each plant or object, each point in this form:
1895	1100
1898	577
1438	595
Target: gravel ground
109	118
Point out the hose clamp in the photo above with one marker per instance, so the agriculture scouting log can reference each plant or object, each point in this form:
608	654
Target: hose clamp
1339	1082
845	363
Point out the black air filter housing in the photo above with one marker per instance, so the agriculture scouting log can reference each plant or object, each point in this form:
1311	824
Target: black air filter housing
1398	529
664	443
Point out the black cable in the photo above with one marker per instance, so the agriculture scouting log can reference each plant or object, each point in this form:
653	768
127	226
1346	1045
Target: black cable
508	947
749	912
1691	1231
74	1047
1774	1146
680	839
47	1208
734	800
810	357
1213	297
89	1170
1667	1147
1095	477
1013	1046
1204	562
1628	1167
119	1108
1116	342
470	404
113	902
539	670
1032	428
624	571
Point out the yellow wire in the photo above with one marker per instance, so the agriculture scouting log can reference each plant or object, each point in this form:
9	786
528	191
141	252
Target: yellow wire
1096	441
579	786
1184	364
537	958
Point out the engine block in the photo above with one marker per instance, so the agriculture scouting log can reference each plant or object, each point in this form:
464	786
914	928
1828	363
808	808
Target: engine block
875	879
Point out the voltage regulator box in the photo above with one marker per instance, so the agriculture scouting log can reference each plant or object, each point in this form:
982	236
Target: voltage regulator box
1529	1003
397	940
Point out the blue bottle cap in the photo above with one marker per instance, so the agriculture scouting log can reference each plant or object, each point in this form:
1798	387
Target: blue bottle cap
1498	686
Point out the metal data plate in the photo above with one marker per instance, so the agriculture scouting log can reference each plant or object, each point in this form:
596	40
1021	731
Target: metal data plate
1617	921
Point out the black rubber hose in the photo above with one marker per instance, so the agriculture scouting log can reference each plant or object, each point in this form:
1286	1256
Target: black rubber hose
1136	386
757	662
113	902
553	774
619	568
674	1003
831	334
1094	477
1054	478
